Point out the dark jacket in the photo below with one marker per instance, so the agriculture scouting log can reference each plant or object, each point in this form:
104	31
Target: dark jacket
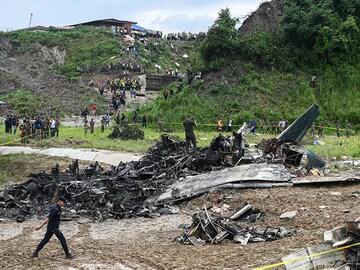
54	217
189	125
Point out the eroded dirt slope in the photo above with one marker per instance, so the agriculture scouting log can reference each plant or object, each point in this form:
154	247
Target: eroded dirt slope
35	70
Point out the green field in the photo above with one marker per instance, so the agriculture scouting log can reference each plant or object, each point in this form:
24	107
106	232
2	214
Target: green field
333	147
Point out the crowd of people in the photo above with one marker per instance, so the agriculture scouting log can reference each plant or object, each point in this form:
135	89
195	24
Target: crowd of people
32	128
278	126
140	34
185	36
112	67
43	127
148	33
322	125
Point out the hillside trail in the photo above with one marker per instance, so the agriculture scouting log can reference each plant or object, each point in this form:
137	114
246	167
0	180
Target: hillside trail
143	96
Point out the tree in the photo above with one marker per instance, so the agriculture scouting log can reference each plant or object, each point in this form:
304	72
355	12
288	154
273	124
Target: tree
327	27
220	41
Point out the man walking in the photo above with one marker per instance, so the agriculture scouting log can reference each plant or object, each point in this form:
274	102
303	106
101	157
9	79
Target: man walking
53	223
189	125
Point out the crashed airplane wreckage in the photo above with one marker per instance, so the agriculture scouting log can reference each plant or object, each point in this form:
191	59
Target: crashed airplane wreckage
164	175
239	227
272	164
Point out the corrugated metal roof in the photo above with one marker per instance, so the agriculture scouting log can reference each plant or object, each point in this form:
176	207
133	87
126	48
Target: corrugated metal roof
105	21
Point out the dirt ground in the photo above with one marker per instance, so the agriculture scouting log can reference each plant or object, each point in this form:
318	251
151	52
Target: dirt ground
143	243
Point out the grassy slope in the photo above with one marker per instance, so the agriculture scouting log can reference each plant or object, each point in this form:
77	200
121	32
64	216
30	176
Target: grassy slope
240	91
256	93
74	137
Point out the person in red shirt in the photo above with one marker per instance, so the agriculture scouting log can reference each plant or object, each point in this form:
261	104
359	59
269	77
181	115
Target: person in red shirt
93	108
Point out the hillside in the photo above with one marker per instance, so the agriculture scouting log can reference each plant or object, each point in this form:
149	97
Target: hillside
260	71
39	72
263	70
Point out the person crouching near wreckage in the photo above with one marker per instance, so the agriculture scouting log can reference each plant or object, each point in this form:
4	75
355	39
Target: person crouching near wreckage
53	223
190	138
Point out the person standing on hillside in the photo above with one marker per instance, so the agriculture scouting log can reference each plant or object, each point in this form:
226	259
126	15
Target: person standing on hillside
102	124
166	94
144	121
337	127
52	127
93	108
347	129
220	125
53	224
160	123
38	128
321	128
57	127
189	125
252	125
313	81
92	125
86	127
15	123
229	126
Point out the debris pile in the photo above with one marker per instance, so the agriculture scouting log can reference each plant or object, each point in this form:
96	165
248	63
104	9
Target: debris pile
124	191
127	133
240	227
166	174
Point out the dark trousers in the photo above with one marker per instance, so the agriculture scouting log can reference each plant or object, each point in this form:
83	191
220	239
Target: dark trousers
190	139
49	233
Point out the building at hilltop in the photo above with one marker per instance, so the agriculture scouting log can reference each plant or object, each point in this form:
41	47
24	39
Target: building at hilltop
111	24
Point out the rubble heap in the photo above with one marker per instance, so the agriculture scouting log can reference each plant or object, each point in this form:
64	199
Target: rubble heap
121	192
127	133
141	187
214	229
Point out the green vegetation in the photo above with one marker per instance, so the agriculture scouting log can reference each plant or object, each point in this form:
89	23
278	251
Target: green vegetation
263	93
258	75
84	46
220	42
24	102
312	34
327	31
74	137
89	47
272	70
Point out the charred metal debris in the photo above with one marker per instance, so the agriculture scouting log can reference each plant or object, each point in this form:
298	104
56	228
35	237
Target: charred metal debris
166	174
239	227
127	133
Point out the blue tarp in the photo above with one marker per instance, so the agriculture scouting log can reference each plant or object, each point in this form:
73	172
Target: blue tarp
138	28
2	102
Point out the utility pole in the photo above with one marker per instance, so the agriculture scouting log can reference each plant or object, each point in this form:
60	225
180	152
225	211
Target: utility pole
31	15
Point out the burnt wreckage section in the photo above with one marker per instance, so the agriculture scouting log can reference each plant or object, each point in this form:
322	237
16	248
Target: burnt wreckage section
241	227
164	175
121	192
